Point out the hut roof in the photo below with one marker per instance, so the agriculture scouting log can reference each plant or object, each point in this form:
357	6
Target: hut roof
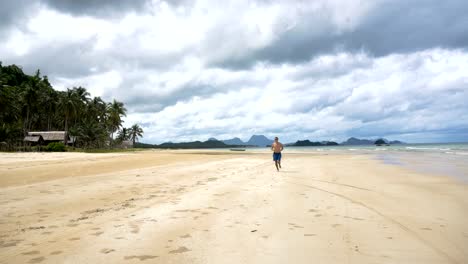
49	135
32	138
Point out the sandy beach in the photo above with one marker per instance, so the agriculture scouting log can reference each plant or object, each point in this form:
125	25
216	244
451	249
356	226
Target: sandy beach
221	207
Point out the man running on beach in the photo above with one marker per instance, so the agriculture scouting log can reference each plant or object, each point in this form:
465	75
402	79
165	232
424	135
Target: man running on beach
277	147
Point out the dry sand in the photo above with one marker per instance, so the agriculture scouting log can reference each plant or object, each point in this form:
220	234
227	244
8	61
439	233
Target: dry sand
176	207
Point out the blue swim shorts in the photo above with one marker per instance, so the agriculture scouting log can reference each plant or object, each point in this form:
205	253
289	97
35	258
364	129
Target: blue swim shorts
276	156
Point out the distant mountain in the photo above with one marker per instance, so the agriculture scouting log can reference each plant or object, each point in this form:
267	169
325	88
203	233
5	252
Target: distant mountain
259	140
357	141
234	141
212	139
303	143
193	145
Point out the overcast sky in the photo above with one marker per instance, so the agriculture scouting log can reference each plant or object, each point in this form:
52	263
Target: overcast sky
319	70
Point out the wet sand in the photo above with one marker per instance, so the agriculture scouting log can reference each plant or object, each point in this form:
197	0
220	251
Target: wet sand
214	207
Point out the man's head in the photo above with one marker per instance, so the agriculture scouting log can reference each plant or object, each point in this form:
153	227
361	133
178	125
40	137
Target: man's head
276	139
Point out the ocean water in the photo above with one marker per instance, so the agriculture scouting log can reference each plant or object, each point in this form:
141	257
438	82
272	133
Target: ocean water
448	159
459	149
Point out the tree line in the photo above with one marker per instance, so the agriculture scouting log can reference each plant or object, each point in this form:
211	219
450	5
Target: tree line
30	103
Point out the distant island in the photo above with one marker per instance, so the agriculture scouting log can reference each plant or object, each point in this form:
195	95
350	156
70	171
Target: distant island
211	143
303	143
357	141
254	141
260	141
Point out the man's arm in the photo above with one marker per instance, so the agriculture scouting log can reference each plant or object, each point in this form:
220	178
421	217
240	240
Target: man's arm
282	147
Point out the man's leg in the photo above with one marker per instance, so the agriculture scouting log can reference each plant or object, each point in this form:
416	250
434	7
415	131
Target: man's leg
276	164
279	163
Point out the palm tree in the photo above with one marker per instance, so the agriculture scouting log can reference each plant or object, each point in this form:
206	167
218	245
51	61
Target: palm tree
82	94
91	132
9	106
97	109
83	97
124	134
135	132
29	103
68	104
50	106
116	111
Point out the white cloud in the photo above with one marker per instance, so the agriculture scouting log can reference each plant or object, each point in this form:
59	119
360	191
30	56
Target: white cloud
388	94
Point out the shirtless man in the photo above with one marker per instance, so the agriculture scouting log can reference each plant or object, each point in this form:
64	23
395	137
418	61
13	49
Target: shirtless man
277	147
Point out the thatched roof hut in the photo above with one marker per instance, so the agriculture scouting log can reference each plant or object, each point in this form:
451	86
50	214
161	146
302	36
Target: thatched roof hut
49	136
34	140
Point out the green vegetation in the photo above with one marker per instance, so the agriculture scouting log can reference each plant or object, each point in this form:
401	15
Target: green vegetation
380	142
30	103
56	147
132	133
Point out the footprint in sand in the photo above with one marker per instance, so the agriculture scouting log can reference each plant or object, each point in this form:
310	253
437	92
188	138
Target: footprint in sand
56	252
309	235
179	250
97	233
426	228
141	257
36	260
10	244
107	250
74	238
35	252
186	236
135	229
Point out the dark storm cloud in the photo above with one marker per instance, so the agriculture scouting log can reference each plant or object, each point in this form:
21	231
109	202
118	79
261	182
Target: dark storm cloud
64	60
157	99
407	26
13	13
104	8
393	27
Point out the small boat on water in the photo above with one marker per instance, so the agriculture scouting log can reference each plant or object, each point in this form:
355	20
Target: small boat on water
237	149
